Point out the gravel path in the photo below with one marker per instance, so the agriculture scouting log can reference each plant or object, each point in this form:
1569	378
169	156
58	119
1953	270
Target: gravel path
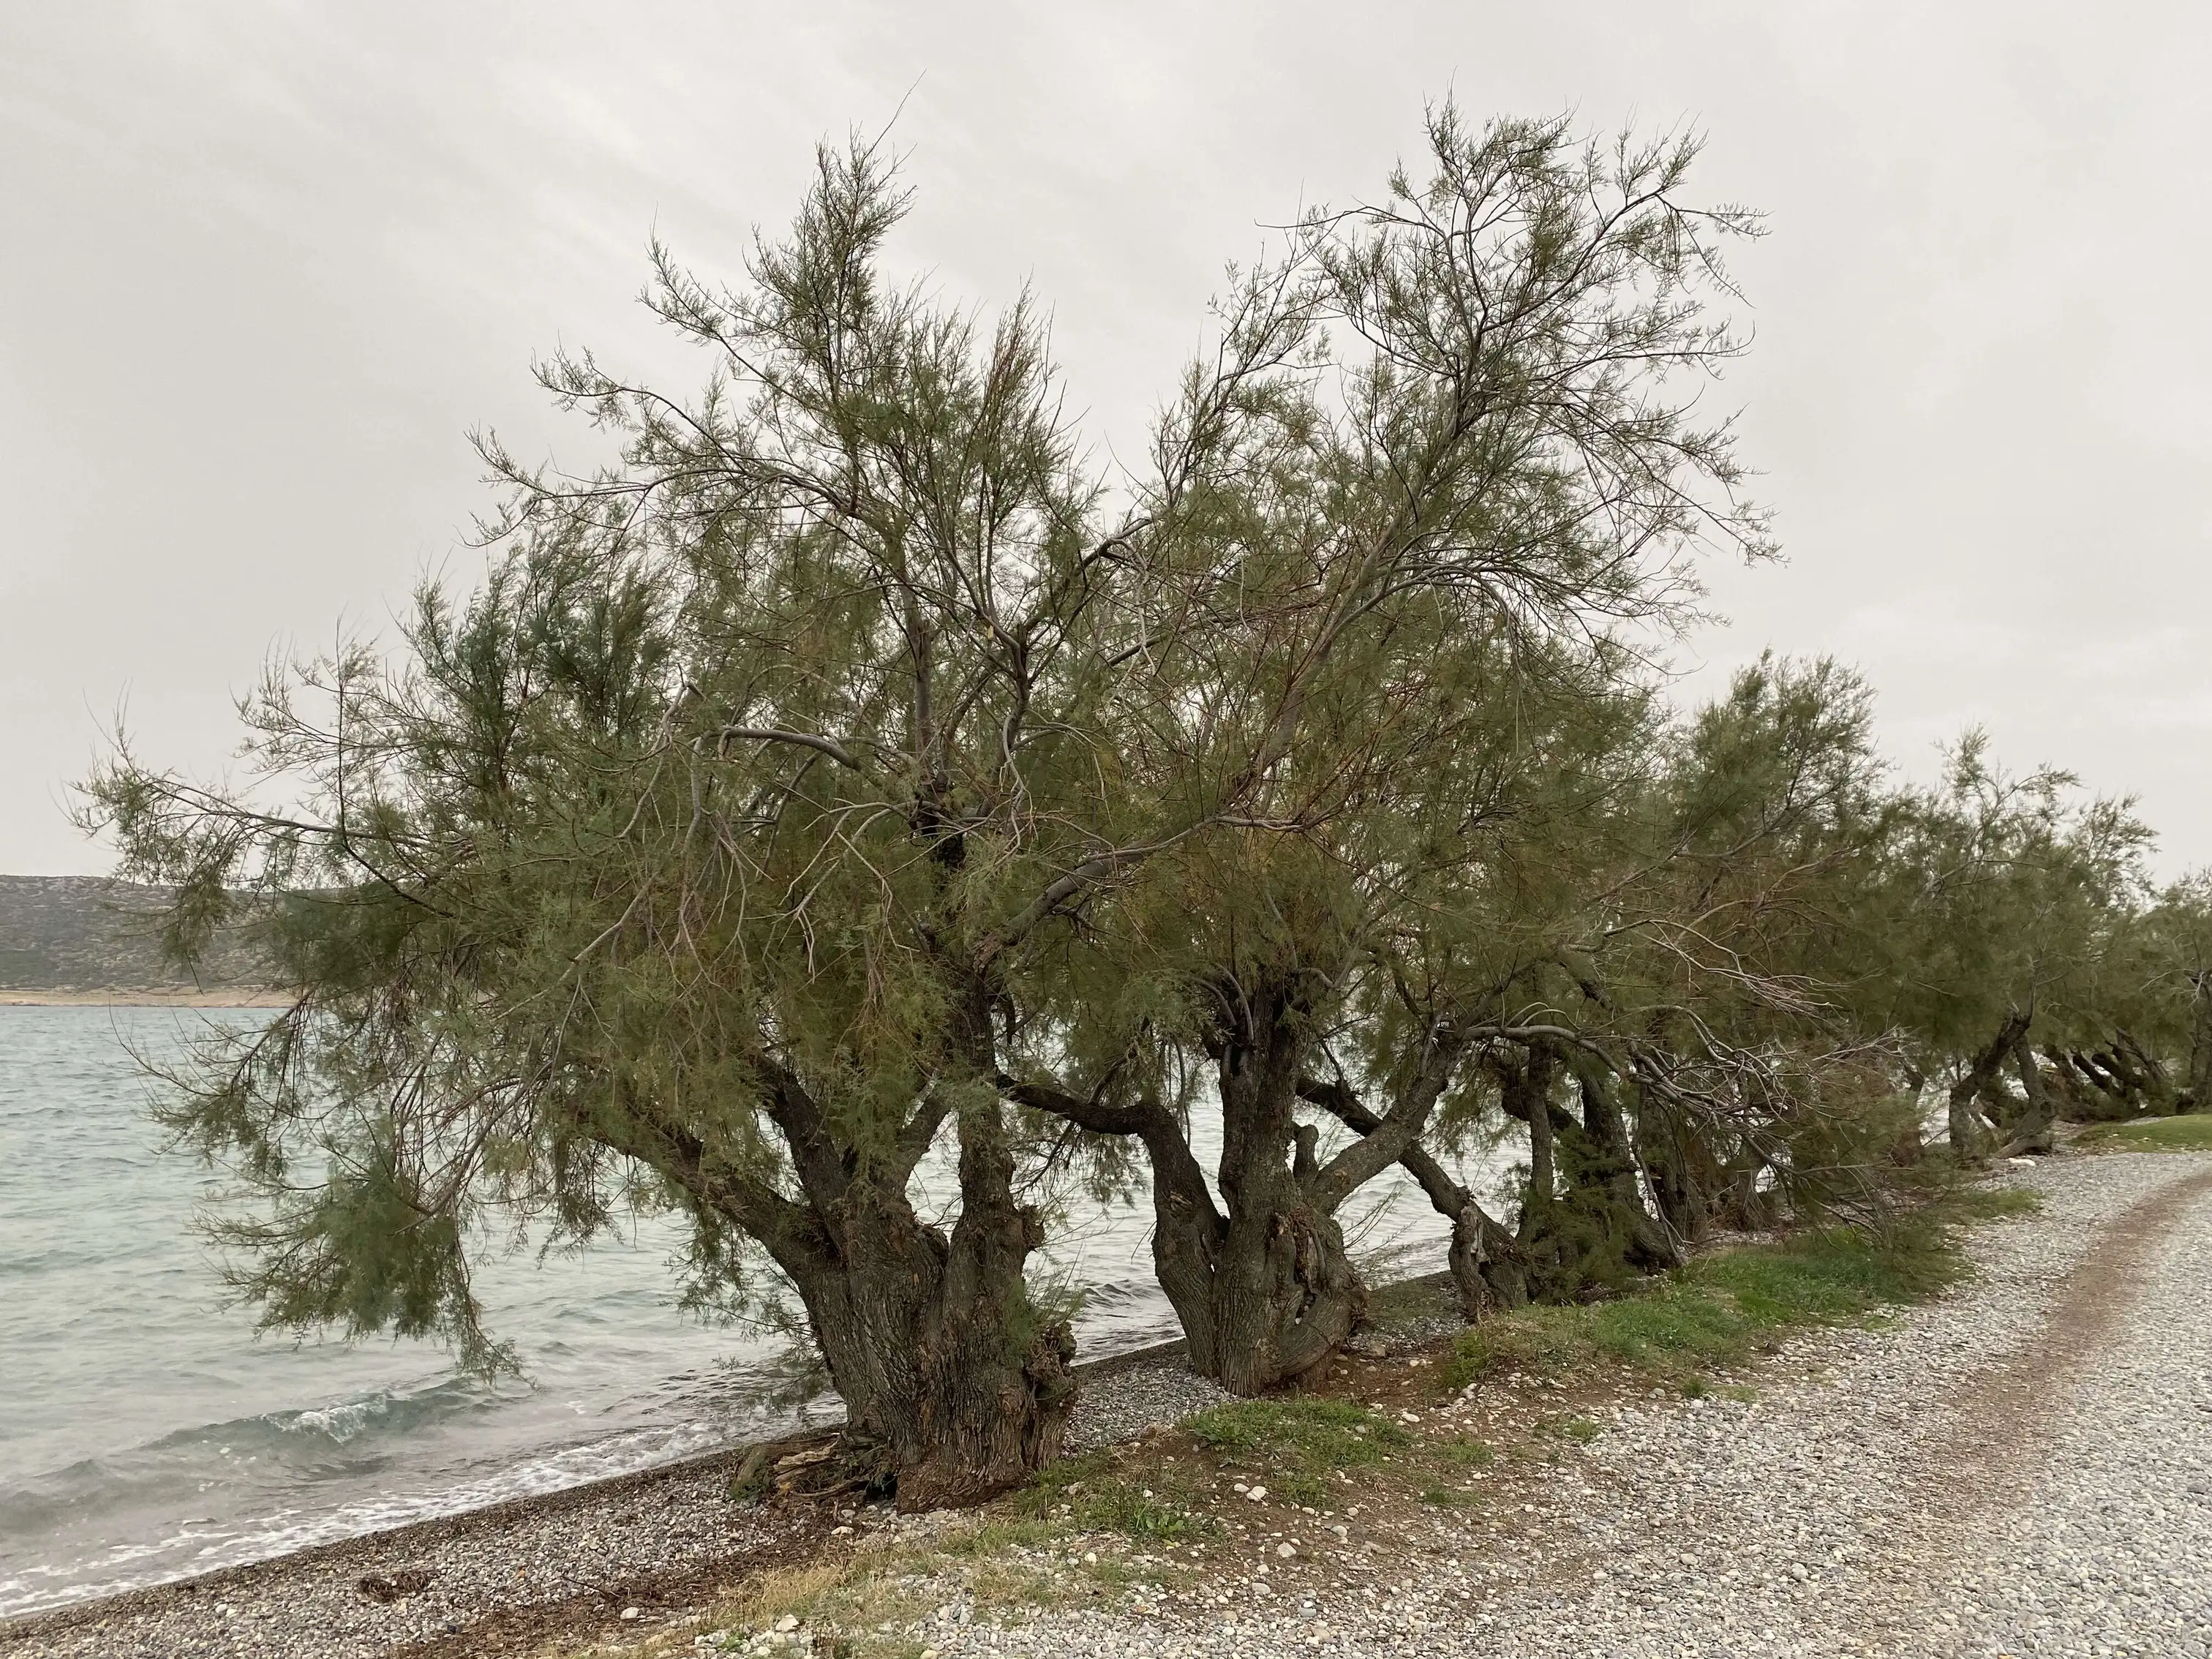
2103	1554
2022	1468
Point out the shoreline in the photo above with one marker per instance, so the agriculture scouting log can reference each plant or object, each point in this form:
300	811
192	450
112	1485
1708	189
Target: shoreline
699	1481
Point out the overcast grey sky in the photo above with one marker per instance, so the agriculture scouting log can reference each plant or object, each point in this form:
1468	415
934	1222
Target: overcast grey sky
262	265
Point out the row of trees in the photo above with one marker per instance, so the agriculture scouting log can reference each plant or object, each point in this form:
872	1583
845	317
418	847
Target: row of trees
847	782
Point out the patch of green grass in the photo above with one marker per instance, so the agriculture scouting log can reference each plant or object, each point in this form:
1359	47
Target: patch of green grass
1827	1277
1467	1452
1659	1330
994	1537
1100	1500
850	1594
1298	1444
1447	1498
2191	1133
1322	1434
1721	1309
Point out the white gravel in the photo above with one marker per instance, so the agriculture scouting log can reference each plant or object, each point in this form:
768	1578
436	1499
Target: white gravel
2022	1468
1121	1398
592	1543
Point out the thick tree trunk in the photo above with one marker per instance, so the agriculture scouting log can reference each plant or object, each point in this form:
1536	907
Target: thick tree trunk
1524	1092
2032	1130
1587	1230
2146	1072
2068	1090
1584	1227
2112	1097
1610	1165
1282	1300
954	1387
1680	1197
1261	1283
2129	1079
1683	1170
1535	1106
1266	1294
1970	1135
948	1375
1280	1296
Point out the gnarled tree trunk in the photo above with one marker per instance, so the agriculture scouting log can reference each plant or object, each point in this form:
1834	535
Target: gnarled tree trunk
2031	1130
2070	1090
954	1387
2146	1073
948	1375
1485	1258
1266	1293
1970	1135
1261	1283
2111	1096
1585	1227
1279	1295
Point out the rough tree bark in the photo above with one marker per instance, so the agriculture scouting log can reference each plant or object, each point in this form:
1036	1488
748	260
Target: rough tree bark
2032	1129
1970	1135
1585	1225
954	1387
1265	1292
2146	1073
1680	1164
1263	1285
914	1327
1610	1167
2112	1097
2069	1089
1261	1282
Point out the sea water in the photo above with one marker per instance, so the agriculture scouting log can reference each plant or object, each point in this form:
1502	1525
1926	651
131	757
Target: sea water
146	1433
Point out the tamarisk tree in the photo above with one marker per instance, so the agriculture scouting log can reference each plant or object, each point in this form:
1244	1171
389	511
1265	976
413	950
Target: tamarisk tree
704	857
2012	909
1474	453
1656	978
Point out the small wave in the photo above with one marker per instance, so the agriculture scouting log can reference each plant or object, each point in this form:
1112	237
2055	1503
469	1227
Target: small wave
273	1451
339	1423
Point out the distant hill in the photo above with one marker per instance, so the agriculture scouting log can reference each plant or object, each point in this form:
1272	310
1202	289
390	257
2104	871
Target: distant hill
88	936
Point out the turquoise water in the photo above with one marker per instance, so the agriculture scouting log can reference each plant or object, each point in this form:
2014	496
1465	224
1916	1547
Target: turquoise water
145	1432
